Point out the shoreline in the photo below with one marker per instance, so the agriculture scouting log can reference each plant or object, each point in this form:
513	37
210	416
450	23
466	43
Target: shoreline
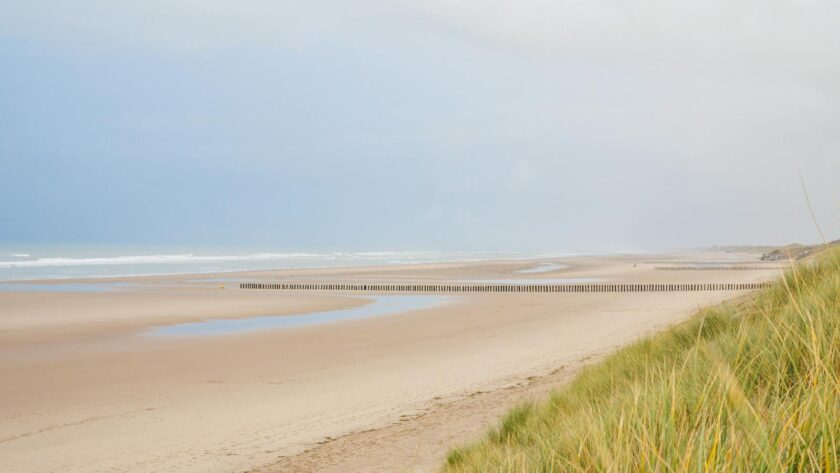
257	272
495	257
553	257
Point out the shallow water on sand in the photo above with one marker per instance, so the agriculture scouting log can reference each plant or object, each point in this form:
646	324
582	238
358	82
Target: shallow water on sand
380	305
532	281
544	268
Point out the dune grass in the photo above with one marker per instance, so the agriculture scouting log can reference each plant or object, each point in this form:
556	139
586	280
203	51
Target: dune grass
751	385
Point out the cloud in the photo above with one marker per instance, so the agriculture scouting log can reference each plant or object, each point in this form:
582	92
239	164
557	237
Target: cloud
534	122
736	31
176	26
796	38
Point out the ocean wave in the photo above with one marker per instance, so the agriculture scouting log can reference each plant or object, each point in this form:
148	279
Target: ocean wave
186	262
153	259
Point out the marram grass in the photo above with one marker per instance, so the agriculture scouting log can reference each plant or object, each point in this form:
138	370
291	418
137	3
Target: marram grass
752	385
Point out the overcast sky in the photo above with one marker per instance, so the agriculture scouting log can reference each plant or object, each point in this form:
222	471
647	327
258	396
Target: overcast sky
419	124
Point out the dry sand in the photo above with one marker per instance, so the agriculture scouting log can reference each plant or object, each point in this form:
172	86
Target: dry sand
83	389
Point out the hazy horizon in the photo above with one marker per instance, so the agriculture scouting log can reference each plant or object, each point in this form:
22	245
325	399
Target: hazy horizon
40	261
528	126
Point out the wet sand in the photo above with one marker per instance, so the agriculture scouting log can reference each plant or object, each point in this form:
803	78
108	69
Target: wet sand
85	388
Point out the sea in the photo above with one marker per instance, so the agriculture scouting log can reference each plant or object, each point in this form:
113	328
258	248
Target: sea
21	261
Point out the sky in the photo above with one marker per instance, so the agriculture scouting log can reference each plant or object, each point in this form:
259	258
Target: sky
433	125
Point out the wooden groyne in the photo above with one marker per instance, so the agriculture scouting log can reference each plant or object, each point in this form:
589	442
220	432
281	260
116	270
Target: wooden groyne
717	268
510	288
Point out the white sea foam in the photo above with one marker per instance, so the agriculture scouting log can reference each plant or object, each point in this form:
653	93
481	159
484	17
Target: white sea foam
189	258
151	259
61	263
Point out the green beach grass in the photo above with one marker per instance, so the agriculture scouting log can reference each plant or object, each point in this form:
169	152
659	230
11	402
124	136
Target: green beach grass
750	385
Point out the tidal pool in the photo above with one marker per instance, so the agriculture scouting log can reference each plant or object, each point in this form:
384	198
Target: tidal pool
532	281
544	268
380	305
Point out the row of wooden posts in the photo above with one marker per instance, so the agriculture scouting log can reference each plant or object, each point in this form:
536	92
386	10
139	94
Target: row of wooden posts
513	288
716	268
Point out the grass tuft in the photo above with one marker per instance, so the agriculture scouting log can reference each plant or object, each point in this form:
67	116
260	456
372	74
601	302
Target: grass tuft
750	385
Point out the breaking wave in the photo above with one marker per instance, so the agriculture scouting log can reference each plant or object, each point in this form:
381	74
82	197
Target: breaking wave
153	259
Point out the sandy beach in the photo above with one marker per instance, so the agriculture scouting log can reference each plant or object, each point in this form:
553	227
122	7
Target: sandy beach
87	387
